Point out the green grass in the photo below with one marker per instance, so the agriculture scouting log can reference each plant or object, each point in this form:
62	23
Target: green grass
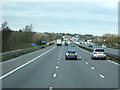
14	55
111	57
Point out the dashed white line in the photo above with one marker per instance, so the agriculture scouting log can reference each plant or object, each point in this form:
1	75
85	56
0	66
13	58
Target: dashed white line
61	52
92	68
102	76
59	59
24	64
50	88
56	66
58	62
54	75
86	62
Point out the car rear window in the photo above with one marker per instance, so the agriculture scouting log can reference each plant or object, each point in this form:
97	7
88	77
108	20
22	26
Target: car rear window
71	52
99	50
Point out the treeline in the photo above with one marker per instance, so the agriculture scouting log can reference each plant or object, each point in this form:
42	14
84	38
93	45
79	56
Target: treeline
110	40
14	40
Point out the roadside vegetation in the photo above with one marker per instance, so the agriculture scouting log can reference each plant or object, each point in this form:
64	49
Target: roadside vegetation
111	57
111	40
22	39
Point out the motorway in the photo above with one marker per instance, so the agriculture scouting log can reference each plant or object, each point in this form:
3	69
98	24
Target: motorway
108	50
48	68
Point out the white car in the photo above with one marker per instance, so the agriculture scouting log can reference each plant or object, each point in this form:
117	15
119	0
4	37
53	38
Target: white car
103	46
99	53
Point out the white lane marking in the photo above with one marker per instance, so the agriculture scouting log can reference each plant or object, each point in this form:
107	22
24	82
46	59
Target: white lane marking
50	88
86	62
92	68
19	57
58	62
59	59
54	75
112	62
83	49
56	66
107	60
61	52
102	76
25	64
82	59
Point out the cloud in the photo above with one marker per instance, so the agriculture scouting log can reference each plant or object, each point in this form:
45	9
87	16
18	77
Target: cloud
64	16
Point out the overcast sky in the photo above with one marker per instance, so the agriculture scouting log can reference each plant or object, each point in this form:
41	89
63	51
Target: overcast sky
95	18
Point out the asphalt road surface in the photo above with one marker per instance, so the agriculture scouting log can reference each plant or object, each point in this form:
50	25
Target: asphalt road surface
108	50
48	68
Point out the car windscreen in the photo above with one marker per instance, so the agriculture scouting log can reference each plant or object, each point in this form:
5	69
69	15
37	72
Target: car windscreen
99	50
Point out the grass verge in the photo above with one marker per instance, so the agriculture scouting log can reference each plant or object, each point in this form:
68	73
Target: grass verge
111	57
10	56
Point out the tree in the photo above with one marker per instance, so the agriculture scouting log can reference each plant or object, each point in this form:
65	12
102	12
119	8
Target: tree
6	32
28	33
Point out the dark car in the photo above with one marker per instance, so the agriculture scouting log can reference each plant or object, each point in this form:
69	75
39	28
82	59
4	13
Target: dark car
80	42
66	44
90	45
71	54
72	45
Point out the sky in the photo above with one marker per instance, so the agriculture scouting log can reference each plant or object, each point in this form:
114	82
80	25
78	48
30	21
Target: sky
96	18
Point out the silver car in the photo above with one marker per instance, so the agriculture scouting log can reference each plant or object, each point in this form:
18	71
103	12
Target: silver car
99	53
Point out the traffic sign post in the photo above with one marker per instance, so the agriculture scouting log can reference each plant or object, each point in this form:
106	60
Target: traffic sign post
43	42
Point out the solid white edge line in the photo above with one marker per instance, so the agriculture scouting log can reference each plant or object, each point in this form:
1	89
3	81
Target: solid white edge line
83	49
61	52
24	64
18	57
107	60
54	75
112	62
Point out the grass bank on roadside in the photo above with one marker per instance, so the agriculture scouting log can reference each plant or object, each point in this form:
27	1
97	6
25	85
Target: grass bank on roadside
111	57
14	55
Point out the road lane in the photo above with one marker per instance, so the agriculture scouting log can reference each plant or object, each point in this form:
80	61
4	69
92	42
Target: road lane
35	75
16	62
52	70
108	50
76	74
110	70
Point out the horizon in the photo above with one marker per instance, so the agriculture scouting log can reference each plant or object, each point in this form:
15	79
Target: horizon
96	18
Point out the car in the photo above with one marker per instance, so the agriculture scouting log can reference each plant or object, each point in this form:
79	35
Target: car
72	45
66	44
90	45
80	42
103	46
83	42
71	54
98	53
